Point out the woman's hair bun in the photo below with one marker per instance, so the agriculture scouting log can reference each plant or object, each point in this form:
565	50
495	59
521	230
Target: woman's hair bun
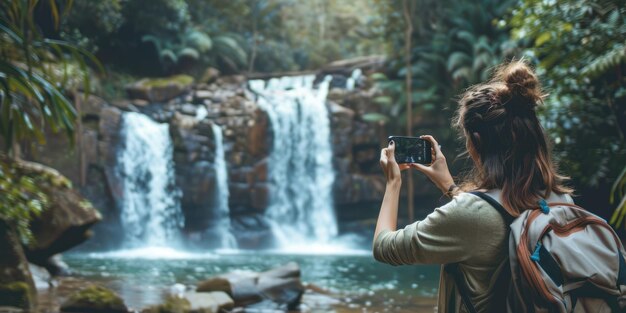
523	86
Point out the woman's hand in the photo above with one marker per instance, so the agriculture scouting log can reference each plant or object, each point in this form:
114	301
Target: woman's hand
437	171
389	165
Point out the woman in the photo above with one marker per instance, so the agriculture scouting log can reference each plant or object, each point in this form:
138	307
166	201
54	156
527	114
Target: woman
512	164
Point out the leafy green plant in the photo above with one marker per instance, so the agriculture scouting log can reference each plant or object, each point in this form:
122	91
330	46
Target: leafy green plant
579	49
618	193
456	45
21	199
197	47
34	72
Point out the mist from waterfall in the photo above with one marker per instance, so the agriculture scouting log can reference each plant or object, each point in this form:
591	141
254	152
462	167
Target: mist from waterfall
150	206
221	175
301	173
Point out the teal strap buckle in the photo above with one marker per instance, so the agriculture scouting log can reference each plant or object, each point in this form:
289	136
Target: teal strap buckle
535	255
544	206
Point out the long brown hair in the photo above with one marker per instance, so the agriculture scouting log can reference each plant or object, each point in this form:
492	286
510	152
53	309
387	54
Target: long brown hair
502	131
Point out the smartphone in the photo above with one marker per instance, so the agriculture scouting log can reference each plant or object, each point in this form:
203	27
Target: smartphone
412	150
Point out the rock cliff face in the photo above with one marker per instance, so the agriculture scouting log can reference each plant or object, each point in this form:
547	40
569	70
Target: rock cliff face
247	138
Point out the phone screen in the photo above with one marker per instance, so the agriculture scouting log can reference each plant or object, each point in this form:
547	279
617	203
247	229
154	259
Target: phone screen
412	149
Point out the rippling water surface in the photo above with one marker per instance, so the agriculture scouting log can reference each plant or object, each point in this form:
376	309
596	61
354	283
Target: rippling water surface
356	281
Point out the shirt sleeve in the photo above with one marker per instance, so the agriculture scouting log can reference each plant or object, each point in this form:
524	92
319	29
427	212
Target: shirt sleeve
444	236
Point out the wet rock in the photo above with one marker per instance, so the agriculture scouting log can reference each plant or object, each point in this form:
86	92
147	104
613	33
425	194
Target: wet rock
177	290
189	109
279	287
260	196
94	299
109	132
215	284
258	135
209	302
251	229
17	288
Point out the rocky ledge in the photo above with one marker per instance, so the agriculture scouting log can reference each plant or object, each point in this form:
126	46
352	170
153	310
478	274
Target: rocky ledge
190	111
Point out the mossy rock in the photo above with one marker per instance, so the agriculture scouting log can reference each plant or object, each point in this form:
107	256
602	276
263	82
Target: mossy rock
182	80
17	294
160	89
94	299
171	305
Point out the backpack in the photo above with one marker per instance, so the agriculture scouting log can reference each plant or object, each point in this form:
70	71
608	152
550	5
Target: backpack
562	258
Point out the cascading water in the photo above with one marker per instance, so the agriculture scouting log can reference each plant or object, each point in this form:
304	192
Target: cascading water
150	213
223	211
354	77
301	172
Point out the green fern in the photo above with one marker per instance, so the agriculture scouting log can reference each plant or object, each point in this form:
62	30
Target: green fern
229	49
618	193
610	60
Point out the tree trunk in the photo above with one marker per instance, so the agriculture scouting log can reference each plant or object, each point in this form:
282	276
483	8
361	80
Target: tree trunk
79	140
409	98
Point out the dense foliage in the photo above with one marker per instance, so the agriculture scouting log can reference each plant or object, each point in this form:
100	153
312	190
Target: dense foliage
579	47
173	36
34	73
455	46
20	198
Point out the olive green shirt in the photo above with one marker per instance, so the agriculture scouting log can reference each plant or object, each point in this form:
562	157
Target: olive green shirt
468	231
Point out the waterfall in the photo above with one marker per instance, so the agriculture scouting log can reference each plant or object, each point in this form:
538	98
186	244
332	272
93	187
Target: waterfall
221	174
300	169
150	208
351	81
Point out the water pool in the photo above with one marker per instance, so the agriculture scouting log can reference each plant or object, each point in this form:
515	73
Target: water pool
357	282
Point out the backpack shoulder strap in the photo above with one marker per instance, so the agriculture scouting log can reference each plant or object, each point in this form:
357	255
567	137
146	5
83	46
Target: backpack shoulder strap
508	218
453	268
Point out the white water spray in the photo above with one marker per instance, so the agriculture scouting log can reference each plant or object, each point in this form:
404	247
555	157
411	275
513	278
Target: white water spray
351	81
223	212
150	213
301	172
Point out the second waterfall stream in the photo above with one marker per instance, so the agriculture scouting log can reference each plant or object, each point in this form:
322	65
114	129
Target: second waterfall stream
301	209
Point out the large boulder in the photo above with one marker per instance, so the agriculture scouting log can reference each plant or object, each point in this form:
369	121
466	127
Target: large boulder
64	223
95	299
279	288
17	288
209	302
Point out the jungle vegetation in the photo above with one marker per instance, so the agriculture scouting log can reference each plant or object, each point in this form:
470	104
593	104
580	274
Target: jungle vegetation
578	47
